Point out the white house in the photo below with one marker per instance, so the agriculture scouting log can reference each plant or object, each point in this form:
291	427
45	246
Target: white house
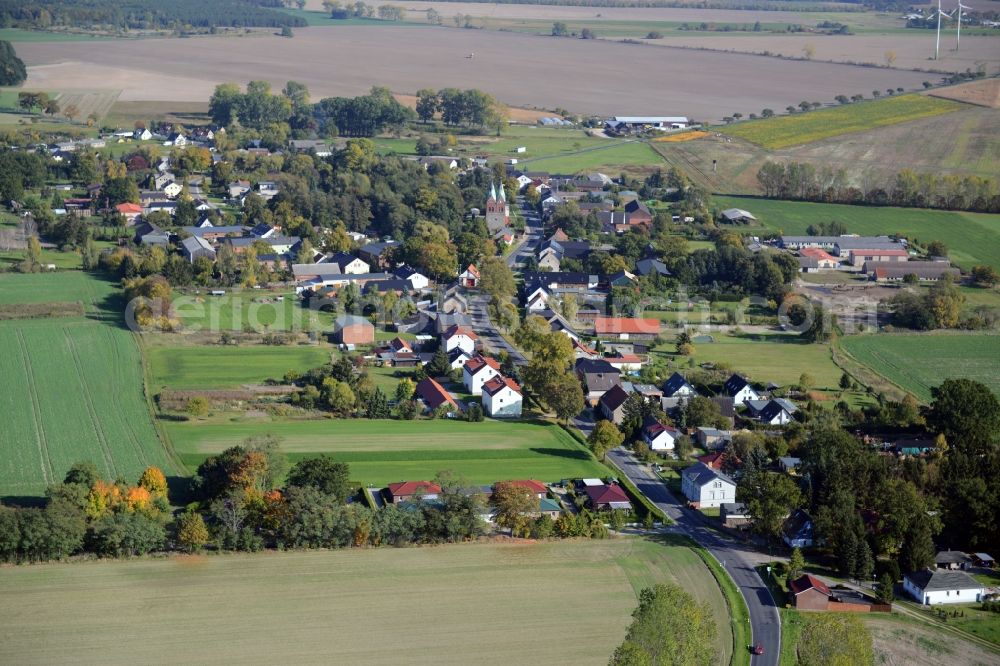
143	134
707	487
459	337
172	189
659	437
458	357
740	390
416	279
477	371
502	398
678	387
776	411
939	586
348	263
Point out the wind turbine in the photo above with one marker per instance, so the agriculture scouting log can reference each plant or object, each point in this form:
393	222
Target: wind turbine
958	35
937	44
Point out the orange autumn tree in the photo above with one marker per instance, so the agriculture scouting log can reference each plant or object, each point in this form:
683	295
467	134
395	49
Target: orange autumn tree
104	497
154	481
252	473
138	499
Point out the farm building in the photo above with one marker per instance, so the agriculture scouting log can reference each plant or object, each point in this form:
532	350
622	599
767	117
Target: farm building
737	216
193	247
925	271
353	330
707	487
943	587
952	560
859	257
623	328
812	259
630	124
502	398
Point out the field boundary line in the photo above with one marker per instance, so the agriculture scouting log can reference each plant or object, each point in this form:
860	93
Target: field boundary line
168	446
844	360
902	606
36	412
88	401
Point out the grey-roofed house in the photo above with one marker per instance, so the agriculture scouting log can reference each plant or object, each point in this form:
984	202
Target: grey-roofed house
375	253
953	560
734	514
739	389
597	376
194	247
712	438
647	267
678	387
706	487
798	530
777	411
612	404
932	587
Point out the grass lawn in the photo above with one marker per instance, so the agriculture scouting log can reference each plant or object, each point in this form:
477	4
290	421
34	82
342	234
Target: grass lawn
610	157
218	367
257	308
972	238
94	291
792	130
380	452
503	603
777	357
792	624
918	362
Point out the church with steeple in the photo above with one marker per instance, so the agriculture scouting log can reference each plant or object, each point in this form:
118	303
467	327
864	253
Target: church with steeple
497	212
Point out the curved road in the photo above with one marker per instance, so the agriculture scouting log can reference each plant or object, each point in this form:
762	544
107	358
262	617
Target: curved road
736	558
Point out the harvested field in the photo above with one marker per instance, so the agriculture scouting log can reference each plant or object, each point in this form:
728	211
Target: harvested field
406	58
913	50
488	603
981	93
900	641
381	452
800	128
96	103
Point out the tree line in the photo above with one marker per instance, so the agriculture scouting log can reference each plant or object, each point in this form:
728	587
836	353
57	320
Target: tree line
908	188
12	69
145	14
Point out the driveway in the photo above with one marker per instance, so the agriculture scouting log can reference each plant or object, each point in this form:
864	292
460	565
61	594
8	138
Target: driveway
736	558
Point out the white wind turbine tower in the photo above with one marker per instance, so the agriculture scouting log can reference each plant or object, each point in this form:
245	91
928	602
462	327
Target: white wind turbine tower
937	44
958	35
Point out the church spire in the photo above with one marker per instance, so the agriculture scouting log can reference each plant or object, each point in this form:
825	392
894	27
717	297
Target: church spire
493	192
503	193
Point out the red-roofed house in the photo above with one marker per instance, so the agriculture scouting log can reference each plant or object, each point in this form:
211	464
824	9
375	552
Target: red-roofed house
660	437
537	488
477	371
608	497
433	395
859	257
469	277
622	328
810	593
459	337
129	211
581	350
714	459
502	398
625	362
405	491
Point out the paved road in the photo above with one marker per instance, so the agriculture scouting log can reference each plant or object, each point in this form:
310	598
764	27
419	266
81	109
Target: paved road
736	558
478	312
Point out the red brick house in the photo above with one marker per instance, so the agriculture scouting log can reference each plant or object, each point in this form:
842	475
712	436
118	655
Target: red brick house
810	593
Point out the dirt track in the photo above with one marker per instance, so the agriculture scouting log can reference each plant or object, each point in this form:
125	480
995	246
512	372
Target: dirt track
523	70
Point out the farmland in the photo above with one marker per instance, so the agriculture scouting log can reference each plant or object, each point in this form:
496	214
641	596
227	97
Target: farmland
972	238
405	59
791	130
380	452
919	362
489	603
219	367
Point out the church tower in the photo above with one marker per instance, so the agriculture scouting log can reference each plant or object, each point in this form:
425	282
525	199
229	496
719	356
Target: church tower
497	212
